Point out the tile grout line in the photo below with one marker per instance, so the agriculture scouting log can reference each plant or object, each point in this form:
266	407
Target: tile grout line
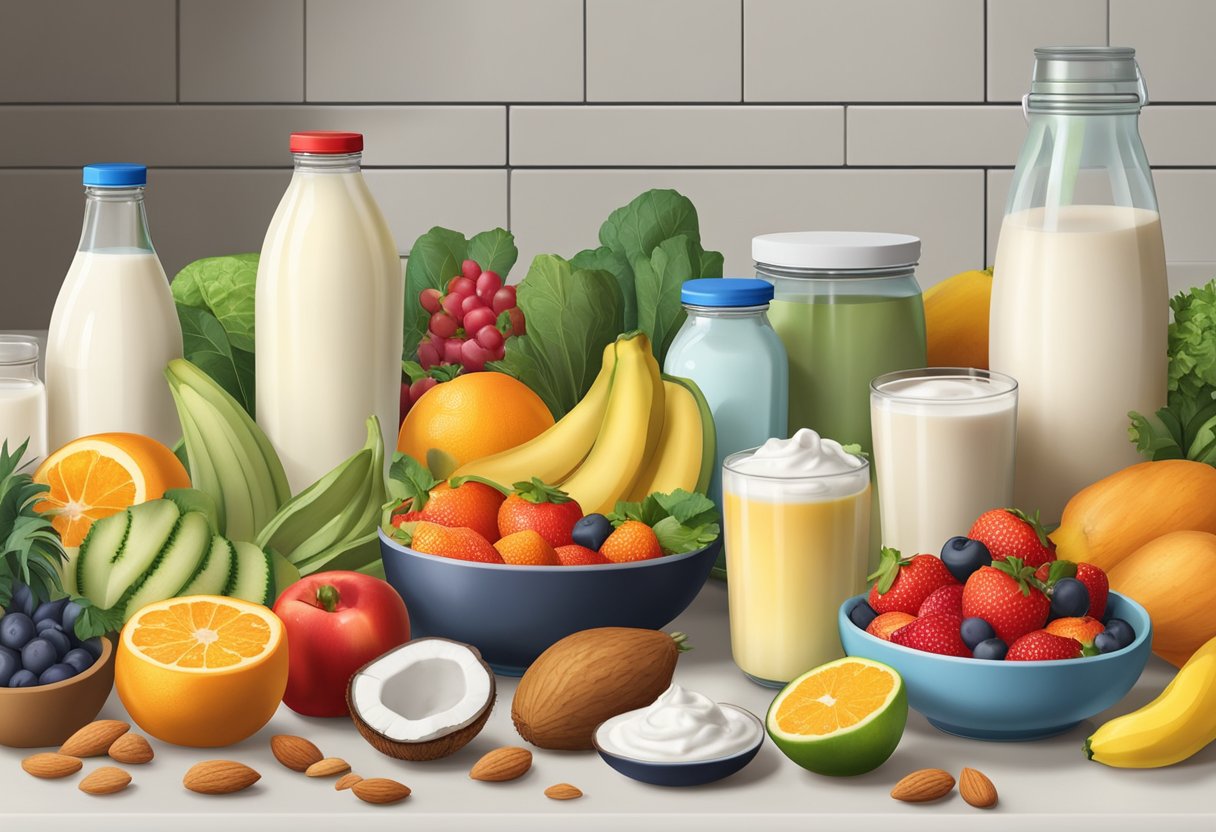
584	51
177	51
304	52
985	49
742	51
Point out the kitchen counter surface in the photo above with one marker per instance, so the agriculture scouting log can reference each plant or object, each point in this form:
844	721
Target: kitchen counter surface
1048	783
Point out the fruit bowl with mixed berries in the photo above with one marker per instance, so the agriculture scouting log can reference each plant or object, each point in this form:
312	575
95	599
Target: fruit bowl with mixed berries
513	570
998	639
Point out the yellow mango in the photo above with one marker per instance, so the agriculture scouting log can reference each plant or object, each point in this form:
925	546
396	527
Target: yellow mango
956	320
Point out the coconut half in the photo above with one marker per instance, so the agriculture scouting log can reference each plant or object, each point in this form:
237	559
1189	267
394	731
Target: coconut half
423	700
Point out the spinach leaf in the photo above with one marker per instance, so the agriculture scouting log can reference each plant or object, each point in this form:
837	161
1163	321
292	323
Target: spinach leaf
206	344
494	251
635	229
658	278
572	315
224	286
616	263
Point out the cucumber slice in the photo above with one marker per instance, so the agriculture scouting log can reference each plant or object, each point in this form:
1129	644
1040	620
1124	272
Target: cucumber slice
100	548
152	525
285	573
173	568
216	570
254	575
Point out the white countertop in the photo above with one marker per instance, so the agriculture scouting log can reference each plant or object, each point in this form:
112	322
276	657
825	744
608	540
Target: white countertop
1047	783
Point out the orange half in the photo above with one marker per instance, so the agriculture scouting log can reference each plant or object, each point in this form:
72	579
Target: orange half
204	633
838	696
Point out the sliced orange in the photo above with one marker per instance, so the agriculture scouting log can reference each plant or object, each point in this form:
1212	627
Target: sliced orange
96	476
202	671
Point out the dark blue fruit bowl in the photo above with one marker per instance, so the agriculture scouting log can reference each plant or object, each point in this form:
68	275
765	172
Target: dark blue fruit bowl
683	773
1000	700
512	614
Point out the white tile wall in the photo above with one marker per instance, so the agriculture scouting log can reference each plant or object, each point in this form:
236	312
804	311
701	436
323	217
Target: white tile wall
544	115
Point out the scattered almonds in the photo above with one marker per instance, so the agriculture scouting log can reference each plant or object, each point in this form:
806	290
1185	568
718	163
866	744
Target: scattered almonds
94	739
346	781
131	749
502	764
380	790
219	777
563	791
50	766
923	786
296	753
105	780
328	767
976	788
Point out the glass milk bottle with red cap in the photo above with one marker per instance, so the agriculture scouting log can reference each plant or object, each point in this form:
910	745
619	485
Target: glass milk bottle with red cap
114	327
330	301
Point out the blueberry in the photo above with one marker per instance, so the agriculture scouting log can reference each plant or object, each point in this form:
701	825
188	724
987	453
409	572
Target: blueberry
59	640
16	629
862	614
92	646
1121	630
992	649
56	673
50	610
962	556
38	655
23	679
48	624
1106	643
975	630
80	659
1069	598
10	663
592	531
22	600
71	612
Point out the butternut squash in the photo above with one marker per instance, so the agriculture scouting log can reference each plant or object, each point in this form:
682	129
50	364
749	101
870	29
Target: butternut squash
1172	577
1107	521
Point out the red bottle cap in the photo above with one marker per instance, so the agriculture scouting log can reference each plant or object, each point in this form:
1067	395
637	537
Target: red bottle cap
326	141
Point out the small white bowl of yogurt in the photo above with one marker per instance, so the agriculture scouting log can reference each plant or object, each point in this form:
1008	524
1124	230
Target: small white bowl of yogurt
682	739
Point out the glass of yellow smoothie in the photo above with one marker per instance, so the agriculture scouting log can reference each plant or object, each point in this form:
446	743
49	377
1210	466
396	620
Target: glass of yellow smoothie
797	526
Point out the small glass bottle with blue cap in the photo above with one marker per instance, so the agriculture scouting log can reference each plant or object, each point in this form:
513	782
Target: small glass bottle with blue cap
729	348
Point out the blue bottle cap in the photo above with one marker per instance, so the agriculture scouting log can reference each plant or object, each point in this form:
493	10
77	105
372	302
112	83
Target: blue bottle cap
115	175
726	291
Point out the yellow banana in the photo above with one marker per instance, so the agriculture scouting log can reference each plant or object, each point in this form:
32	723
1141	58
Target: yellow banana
554	454
1171	728
677	461
619	452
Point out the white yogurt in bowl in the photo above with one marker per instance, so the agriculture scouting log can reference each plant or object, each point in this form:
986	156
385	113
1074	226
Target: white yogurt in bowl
681	726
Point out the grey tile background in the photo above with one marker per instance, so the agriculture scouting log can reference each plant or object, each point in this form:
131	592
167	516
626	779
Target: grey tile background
544	115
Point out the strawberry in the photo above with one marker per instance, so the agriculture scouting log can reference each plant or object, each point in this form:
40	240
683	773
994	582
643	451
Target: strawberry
935	633
450	542
542	508
526	548
1010	533
472	505
1008	597
1042	646
903	584
947	599
887	623
1099	587
632	540
1083	629
575	555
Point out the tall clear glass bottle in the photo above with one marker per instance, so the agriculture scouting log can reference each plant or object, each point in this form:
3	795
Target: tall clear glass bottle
1080	302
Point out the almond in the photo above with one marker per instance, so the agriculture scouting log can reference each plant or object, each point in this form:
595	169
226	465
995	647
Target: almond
328	767
219	777
131	749
563	791
105	780
346	781
502	764
380	790
296	753
94	739
50	766
924	785
976	788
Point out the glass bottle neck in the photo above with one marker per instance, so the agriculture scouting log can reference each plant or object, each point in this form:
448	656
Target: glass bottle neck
735	312
25	371
327	162
115	221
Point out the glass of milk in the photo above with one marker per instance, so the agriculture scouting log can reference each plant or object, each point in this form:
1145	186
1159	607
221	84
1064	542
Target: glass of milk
796	514
22	397
944	443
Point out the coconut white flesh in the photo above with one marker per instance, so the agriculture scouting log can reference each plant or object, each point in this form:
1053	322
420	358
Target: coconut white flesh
422	691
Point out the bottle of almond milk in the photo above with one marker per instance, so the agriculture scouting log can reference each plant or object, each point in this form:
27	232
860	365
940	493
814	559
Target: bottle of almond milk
1080	305
329	308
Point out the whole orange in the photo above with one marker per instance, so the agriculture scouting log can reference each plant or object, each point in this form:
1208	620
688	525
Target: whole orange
473	416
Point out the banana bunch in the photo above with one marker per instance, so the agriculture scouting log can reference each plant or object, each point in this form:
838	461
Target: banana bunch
332	524
1174	726
230	457
633	433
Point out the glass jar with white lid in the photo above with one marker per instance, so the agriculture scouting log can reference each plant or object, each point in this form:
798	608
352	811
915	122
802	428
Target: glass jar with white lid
22	397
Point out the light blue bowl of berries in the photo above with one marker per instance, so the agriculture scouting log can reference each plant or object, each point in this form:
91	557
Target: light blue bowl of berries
968	681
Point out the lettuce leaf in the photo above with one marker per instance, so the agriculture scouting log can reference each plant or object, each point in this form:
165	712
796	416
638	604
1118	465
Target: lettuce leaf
224	286
206	344
658	278
683	521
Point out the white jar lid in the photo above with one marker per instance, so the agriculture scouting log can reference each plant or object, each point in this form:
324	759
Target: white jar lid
836	250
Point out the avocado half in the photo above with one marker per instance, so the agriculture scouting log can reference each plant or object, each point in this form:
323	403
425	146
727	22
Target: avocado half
423	700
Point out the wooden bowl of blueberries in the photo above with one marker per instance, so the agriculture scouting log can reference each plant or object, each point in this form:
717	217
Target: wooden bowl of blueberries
51	682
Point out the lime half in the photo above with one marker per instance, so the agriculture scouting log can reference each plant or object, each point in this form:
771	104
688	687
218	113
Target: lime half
841	719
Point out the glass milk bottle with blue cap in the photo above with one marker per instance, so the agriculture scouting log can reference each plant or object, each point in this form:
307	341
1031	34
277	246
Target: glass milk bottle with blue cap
114	327
730	350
